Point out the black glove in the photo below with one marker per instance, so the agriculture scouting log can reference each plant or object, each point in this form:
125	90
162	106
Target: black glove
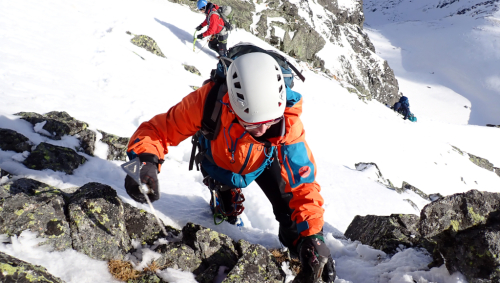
200	36
149	176
198	28
316	259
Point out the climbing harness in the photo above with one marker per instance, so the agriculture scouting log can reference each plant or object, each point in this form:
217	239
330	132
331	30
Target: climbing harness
221	213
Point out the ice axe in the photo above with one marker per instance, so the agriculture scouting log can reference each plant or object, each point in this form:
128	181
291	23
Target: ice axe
133	169
194	40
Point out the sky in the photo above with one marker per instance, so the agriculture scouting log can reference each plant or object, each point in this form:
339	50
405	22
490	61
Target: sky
76	57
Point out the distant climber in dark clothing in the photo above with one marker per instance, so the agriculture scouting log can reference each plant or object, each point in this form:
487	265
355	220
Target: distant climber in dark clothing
403	107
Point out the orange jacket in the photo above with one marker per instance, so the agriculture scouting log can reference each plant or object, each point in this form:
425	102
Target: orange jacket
298	167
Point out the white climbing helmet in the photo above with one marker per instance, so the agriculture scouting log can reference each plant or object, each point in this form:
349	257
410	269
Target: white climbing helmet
256	88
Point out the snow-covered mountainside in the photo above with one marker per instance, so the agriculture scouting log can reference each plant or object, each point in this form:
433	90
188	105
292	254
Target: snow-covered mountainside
451	45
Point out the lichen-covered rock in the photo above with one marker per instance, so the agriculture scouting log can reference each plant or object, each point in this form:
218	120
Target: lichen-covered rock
12	140
146	277
179	256
87	141
57	158
386	233
375	174
17	271
29	204
408	187
255	265
475	253
305	43
458	212
191	69
59	123
466	230
97	222
117	146
211	246
147	43
481	162
141	225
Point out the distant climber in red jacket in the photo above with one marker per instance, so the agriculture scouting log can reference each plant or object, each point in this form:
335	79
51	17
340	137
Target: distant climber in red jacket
216	29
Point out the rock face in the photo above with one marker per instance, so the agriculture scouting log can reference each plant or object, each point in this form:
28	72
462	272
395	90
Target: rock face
15	270
302	30
461	231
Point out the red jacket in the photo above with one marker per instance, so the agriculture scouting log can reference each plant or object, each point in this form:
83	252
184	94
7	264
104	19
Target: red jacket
216	23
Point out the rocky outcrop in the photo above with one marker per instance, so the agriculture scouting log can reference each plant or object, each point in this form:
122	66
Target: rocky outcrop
97	221
461	231
57	158
15	270
466	228
12	140
117	146
93	220
302	30
147	43
388	233
29	204
55	125
479	161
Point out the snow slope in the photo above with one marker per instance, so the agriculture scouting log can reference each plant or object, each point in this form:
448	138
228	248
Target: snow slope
441	50
76	57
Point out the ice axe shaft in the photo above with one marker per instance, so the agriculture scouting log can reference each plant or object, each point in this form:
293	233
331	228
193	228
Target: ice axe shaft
194	40
133	169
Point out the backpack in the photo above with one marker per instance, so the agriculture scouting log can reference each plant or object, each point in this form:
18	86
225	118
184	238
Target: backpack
210	123
225	13
404	100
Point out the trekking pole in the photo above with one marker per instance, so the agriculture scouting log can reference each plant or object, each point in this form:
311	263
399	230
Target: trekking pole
133	169
194	40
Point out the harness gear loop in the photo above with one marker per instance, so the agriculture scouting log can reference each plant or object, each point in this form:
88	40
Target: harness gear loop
222	214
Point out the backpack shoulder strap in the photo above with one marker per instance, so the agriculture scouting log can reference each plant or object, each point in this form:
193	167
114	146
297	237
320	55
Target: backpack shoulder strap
210	123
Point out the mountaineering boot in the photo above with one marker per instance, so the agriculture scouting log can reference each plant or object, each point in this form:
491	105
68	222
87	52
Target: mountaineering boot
317	262
225	203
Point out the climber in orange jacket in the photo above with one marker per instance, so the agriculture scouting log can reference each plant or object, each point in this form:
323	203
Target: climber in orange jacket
261	139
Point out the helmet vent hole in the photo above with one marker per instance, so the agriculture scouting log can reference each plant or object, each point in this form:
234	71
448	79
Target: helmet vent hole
247	110
276	67
281	88
235	75
279	78
237	85
240	96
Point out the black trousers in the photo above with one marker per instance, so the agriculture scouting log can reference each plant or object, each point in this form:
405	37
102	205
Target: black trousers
218	46
273	186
